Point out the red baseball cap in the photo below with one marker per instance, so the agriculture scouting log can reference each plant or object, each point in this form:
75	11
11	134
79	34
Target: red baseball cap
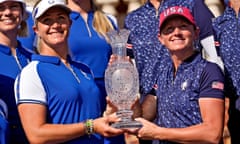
176	11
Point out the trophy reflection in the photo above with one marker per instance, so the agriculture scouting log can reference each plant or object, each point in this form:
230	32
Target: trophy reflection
121	80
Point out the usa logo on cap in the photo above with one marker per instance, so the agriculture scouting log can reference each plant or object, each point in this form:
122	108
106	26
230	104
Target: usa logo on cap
176	10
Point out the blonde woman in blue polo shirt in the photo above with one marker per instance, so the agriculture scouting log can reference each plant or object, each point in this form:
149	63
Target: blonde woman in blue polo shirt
57	98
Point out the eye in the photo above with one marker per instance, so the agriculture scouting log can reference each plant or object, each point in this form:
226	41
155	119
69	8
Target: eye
62	19
184	26
47	21
2	8
14	7
168	30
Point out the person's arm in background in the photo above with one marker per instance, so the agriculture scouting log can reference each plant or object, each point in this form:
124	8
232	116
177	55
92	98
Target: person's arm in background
203	17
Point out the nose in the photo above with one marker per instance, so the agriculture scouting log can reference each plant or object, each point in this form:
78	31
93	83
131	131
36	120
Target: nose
55	23
176	31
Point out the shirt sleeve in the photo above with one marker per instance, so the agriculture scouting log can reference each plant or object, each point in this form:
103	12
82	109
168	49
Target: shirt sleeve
203	17
212	82
28	86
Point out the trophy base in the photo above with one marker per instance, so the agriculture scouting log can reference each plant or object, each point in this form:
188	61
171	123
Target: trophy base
127	124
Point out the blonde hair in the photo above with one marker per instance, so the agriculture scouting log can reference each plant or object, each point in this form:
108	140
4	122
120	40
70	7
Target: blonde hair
101	22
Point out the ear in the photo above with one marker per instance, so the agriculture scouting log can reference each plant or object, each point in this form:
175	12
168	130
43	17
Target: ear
35	28
196	33
160	39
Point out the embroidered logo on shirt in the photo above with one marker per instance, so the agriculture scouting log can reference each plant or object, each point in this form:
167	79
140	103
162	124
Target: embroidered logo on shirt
184	85
218	85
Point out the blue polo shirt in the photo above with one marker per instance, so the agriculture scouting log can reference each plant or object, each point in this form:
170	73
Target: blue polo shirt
10	68
69	94
143	24
4	129
178	96
88	47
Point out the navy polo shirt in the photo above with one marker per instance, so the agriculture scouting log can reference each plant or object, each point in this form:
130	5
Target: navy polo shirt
178	96
69	94
227	29
143	24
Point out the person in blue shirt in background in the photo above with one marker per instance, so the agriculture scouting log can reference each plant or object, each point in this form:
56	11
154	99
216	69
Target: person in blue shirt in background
87	39
57	98
13	58
88	43
189	105
4	130
29	40
227	31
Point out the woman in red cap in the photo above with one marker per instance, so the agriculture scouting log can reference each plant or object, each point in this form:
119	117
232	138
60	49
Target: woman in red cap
189	94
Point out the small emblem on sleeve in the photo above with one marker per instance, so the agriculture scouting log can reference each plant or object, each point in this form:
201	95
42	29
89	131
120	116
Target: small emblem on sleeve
218	85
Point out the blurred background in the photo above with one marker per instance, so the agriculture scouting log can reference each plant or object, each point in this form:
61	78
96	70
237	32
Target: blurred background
120	8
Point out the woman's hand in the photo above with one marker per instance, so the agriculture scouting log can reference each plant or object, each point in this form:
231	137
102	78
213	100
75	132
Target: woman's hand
110	109
102	126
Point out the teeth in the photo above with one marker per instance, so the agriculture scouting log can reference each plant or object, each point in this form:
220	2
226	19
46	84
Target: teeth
7	21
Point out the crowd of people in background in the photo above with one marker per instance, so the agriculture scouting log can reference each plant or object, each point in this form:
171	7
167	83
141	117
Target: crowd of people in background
54	54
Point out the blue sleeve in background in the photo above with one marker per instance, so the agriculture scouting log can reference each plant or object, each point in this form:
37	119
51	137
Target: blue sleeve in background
203	17
4	128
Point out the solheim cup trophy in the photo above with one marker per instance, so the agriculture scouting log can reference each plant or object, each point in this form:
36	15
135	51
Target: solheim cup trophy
121	80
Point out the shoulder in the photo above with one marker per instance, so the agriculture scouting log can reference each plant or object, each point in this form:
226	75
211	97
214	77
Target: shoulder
213	70
113	19
212	82
141	11
30	69
24	49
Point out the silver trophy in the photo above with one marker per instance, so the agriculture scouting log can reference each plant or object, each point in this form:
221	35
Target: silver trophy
121	80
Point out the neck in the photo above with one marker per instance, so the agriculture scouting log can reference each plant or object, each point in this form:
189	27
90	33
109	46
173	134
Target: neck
60	50
9	39
235	4
156	3
179	57
82	6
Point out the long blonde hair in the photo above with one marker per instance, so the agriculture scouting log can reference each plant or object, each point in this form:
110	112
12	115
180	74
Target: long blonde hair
101	22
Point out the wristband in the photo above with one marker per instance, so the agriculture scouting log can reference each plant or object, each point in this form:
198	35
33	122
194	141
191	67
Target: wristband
89	127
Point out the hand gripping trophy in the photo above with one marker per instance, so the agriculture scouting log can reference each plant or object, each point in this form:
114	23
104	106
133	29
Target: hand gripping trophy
121	80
